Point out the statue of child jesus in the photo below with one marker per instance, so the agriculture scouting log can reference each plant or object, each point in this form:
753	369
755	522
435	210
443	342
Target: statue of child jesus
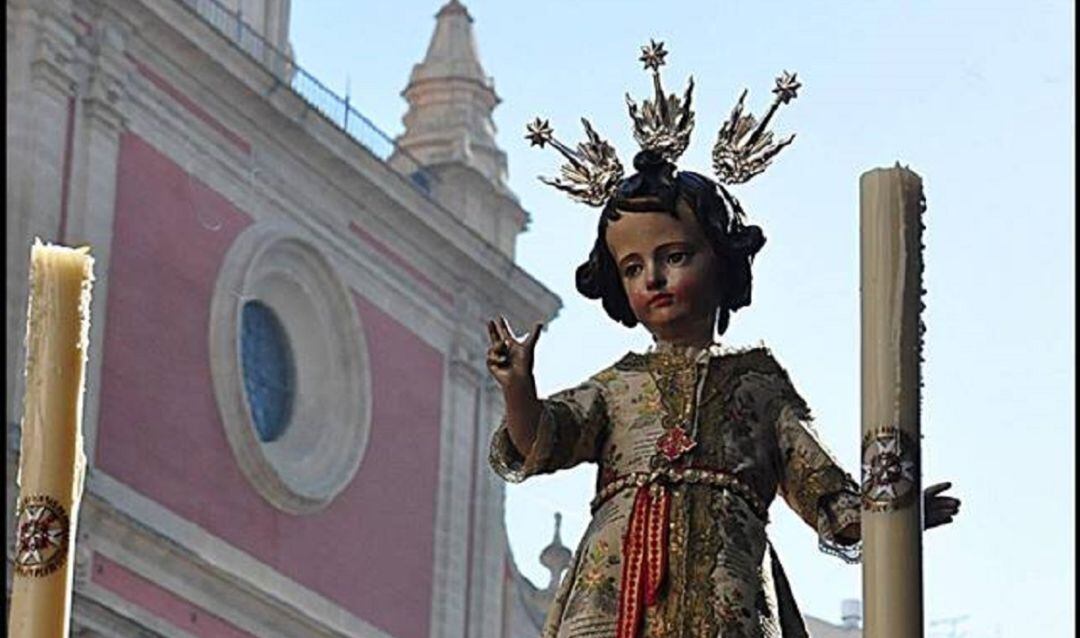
693	441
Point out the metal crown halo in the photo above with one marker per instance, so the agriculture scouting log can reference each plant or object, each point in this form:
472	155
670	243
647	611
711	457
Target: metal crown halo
743	149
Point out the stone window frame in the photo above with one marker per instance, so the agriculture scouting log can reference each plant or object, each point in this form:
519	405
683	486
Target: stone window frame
323	445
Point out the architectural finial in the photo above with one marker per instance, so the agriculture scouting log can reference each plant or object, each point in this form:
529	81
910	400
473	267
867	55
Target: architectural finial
450	133
556	557
451	99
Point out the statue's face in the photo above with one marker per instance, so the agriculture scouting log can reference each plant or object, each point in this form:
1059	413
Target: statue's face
669	273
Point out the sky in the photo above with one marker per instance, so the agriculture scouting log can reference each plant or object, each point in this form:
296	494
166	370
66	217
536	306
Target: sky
976	97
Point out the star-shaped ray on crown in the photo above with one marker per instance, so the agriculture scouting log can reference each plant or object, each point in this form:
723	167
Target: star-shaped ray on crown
664	124
539	133
786	86
744	148
592	172
653	54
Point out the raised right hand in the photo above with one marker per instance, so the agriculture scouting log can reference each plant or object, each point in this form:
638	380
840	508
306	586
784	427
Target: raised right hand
509	360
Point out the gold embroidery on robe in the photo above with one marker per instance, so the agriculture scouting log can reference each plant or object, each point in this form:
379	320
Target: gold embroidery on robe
723	577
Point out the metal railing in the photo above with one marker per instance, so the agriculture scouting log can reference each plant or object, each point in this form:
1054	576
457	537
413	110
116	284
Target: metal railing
331	106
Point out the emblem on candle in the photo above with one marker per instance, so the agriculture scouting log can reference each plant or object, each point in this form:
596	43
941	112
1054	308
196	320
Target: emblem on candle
888	469
41	536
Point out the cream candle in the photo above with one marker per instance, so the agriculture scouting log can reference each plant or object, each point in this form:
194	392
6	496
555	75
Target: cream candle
891	206
51	459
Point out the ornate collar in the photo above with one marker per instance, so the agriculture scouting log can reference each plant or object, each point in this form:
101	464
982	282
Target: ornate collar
699	354
662	349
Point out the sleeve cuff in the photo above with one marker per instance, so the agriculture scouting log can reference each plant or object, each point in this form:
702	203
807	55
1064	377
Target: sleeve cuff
508	463
835	513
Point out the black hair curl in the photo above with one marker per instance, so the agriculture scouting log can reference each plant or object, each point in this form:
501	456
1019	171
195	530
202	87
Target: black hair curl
656	187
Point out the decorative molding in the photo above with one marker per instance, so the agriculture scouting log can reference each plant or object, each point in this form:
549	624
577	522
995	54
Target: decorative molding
106	92
158	81
274	262
52	57
466	366
150	540
97	611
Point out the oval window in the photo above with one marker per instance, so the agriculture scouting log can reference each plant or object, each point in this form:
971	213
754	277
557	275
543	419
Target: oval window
269	370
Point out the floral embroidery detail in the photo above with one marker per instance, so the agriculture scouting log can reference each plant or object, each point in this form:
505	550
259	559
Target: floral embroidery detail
606	376
596	585
751	423
675	378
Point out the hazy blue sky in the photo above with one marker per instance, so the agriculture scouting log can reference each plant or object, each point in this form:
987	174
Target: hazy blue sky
976	97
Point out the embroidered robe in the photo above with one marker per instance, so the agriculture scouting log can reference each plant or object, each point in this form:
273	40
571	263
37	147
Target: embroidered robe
721	577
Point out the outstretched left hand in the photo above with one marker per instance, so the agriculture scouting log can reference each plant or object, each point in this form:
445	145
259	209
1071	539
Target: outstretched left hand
938	510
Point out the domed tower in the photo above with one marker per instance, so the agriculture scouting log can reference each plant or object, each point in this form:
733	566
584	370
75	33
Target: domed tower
449	139
556	557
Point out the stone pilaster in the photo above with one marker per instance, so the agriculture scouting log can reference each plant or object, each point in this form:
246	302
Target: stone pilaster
452	538
489	535
40	87
99	123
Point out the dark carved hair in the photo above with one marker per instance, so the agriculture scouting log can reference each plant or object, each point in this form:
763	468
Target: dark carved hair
656	187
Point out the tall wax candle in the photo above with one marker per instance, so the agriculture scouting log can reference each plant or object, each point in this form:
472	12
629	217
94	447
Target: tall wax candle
891	207
51	459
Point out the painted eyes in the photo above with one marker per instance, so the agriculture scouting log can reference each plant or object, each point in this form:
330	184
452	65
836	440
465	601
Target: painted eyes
676	258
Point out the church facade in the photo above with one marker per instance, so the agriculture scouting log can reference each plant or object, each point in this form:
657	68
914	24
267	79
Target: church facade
287	408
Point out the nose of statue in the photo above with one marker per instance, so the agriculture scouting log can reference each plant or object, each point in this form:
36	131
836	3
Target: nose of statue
656	280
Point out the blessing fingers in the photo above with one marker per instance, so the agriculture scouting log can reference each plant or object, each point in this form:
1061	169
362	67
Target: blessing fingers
498	355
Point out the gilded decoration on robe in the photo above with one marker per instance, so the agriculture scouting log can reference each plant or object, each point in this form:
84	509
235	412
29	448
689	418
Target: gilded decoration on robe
675	376
695	528
596	586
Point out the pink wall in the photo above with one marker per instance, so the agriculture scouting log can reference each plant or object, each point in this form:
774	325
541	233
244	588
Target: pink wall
159	432
164	604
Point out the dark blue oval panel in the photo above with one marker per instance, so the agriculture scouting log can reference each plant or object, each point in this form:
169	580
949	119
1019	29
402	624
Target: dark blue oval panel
269	371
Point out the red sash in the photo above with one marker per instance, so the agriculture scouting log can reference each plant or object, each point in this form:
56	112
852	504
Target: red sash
644	555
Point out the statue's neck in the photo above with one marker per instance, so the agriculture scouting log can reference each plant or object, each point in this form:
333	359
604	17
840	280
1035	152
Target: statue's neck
690	347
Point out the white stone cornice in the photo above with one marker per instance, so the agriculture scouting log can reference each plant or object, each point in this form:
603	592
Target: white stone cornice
102	104
50	63
98	613
182	557
105	95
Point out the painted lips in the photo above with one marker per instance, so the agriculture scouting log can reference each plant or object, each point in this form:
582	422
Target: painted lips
661	300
